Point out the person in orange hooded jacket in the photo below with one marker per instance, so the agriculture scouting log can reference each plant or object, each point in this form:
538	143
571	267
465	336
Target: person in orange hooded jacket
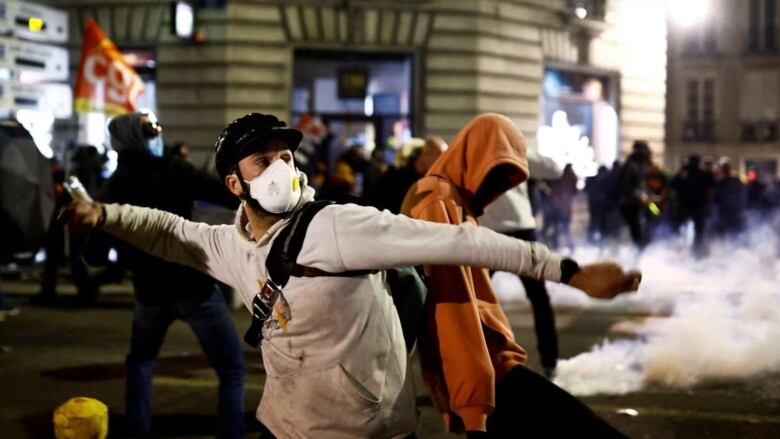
471	362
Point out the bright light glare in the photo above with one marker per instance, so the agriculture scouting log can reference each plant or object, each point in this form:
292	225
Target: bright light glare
185	20
566	144
39	124
368	105
109	167
688	13
581	12
92	130
150	114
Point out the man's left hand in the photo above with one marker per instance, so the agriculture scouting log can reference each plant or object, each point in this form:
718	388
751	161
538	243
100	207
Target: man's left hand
605	280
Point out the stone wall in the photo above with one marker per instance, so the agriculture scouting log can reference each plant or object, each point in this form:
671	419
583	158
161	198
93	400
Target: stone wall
471	57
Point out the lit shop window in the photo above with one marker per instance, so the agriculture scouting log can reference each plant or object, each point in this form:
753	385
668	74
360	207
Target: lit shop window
580	123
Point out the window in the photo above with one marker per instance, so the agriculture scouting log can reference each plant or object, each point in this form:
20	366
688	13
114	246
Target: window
769	25
709	38
708	106
692	94
762	30
699	125
758	106
580	123
753	35
701	38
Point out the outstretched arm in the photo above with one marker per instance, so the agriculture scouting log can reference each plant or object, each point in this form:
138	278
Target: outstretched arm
349	237
159	233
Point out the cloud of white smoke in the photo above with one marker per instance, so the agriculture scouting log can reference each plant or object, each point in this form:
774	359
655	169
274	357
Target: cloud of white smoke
720	318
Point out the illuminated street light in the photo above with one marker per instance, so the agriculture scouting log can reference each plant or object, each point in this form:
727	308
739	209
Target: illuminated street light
581	12
688	13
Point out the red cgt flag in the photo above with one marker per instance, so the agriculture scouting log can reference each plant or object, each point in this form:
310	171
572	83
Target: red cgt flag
106	82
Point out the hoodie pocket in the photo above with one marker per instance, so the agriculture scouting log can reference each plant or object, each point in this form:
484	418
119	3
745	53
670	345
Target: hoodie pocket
324	403
355	390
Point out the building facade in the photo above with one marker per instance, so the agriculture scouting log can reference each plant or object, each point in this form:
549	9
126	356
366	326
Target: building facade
723	93
601	62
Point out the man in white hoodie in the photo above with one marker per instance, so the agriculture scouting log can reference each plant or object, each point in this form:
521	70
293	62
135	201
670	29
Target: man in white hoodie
333	347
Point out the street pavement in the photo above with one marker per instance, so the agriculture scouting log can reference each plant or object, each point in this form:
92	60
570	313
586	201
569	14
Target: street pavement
50	354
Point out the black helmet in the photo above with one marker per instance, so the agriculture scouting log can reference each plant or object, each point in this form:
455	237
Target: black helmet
244	135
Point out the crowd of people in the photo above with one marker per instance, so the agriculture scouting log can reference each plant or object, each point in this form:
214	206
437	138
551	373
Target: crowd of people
347	376
473	366
710	199
634	199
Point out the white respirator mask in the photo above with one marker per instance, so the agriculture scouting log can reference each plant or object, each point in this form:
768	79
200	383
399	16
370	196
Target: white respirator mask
277	189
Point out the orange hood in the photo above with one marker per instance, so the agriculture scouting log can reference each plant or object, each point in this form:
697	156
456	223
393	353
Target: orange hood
488	141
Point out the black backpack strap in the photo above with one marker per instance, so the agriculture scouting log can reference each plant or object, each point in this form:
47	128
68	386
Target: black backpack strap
301	271
281	261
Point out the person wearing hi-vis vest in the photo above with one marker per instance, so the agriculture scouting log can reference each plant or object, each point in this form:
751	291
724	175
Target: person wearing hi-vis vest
333	346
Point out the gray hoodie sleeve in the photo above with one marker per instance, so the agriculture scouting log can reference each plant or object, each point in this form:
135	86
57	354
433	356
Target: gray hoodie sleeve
350	237
173	238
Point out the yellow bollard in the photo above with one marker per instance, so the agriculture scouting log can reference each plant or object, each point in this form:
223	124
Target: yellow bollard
81	418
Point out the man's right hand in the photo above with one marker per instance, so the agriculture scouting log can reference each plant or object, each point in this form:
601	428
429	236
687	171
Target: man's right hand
82	216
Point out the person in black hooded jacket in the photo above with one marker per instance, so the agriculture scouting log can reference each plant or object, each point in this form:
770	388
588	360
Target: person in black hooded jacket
633	196
164	291
694	192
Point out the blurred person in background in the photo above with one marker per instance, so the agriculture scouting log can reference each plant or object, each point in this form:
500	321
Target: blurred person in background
374	171
180	150
54	244
6	255
87	286
415	162
730	203
613	219
633	195
761	190
87	165
657	185
343	185
693	186
512	215
596	190
561	200
165	291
